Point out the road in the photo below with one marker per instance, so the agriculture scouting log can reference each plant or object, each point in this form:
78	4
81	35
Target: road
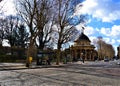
74	74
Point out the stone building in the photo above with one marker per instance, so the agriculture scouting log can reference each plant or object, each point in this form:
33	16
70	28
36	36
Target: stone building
82	48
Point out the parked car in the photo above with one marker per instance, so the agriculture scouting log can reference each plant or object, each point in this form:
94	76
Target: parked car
106	59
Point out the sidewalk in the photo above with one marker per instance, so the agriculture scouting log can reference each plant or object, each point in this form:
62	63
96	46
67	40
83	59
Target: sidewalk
12	66
17	66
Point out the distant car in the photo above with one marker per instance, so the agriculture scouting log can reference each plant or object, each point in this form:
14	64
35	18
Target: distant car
106	59
118	63
79	59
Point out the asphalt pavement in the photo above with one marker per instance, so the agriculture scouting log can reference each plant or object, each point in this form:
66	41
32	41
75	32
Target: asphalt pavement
98	73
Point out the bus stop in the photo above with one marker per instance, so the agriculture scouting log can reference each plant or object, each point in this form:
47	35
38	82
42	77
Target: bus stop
44	57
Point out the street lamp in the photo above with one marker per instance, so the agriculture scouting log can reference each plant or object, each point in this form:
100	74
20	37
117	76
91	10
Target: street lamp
83	55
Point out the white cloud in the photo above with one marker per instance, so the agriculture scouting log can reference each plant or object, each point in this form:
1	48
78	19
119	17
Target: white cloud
118	40
79	27
8	7
113	41
113	32
89	30
106	31
106	10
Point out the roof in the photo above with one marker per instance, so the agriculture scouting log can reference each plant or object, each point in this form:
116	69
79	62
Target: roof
82	37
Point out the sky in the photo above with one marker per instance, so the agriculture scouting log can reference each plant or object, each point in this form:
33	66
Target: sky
103	19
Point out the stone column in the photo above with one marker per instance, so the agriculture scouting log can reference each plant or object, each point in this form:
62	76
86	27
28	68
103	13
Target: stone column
91	54
85	54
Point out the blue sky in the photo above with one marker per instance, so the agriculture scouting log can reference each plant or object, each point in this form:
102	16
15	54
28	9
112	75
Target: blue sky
104	19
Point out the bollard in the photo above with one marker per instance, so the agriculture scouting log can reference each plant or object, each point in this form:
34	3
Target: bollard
29	61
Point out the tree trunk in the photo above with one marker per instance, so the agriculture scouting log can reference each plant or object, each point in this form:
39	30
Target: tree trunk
41	42
41	46
58	57
58	54
31	52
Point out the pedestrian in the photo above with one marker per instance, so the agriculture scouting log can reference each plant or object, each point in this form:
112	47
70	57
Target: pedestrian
83	59
47	60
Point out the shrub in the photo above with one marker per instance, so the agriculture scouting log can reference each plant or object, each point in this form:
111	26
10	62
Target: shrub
8	58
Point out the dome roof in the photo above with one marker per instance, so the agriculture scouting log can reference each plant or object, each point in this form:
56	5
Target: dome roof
82	37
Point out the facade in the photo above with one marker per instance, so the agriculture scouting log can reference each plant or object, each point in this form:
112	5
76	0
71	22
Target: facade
82	49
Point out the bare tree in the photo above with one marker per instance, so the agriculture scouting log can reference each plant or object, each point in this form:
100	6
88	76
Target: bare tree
37	15
26	9
44	21
21	35
8	30
111	51
66	31
2	27
7	27
105	49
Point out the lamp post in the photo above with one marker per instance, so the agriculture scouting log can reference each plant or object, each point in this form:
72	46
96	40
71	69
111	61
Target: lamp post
83	55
